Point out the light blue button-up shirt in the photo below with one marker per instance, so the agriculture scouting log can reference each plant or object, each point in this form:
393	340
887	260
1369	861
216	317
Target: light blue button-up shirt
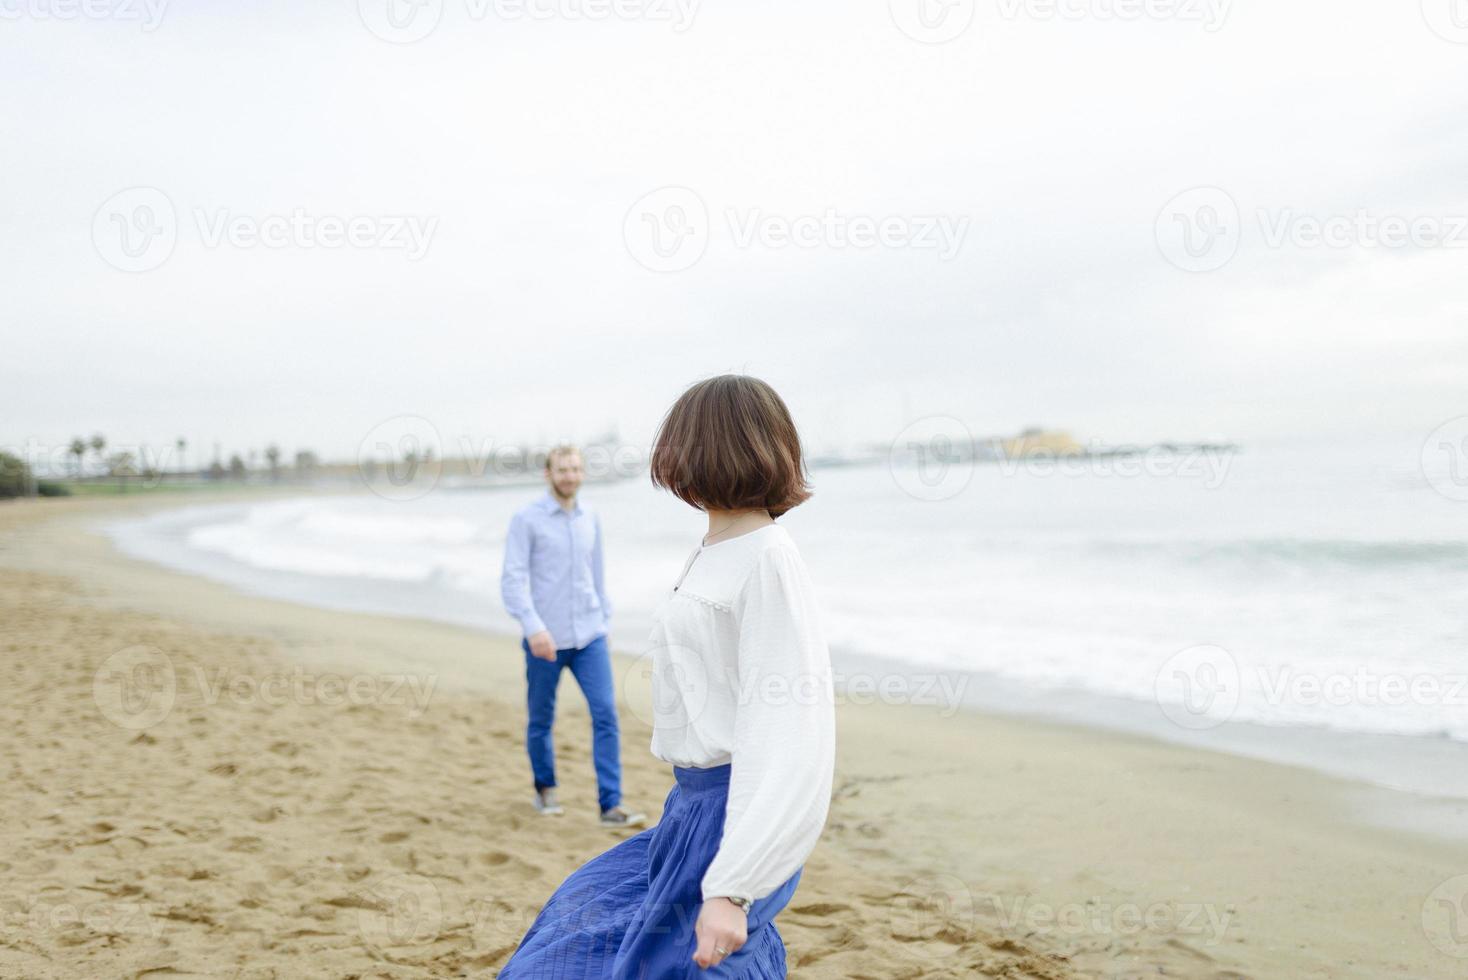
553	577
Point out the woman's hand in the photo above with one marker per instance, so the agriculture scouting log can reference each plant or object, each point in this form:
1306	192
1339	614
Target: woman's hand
721	930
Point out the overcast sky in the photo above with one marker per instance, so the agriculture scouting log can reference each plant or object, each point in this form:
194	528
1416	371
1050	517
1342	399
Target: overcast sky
505	282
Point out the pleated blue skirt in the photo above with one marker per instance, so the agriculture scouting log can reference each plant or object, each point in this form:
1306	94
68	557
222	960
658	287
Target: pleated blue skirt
628	914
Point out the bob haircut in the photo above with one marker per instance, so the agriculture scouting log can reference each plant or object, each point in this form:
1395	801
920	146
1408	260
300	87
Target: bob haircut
728	443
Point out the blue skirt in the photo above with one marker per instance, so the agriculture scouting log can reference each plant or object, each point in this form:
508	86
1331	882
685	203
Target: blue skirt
629	913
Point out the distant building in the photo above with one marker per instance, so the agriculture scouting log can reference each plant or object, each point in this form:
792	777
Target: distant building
1039	442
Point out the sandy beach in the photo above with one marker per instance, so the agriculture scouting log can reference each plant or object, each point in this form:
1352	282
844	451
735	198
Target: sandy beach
200	783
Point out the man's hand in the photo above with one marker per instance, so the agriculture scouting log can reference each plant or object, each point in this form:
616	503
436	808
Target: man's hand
721	929
542	646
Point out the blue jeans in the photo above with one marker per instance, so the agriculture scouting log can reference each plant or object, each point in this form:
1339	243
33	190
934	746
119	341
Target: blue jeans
591	665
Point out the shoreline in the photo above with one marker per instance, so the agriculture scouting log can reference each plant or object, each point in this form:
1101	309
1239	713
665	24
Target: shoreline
1433	772
973	844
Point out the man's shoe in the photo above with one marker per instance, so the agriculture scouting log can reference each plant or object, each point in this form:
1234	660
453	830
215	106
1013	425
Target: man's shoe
545	803
618	817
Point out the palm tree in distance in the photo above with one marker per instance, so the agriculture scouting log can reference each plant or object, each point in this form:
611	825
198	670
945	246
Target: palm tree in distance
78	450
99	444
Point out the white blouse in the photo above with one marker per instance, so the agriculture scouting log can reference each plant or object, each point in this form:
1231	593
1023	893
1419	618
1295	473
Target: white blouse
741	675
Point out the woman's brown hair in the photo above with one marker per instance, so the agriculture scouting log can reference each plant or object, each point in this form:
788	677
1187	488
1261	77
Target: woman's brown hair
729	443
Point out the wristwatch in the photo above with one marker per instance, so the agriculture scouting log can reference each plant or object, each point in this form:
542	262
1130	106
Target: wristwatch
743	903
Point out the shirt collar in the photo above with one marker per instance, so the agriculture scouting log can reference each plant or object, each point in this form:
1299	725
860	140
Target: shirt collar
550	504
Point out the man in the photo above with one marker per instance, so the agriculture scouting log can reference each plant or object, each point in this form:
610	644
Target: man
553	582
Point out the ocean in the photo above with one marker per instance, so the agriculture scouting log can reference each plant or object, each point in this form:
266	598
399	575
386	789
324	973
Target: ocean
1300	603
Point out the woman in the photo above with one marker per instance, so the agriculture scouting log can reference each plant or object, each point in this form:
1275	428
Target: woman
743	711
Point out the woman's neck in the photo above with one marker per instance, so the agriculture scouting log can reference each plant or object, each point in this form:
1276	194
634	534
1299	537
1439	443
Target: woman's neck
725	524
